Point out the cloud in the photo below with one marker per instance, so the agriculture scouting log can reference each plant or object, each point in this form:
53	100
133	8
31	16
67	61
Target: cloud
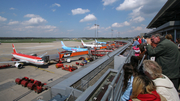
120	24
79	11
142	6
56	4
92	27
35	20
131	4
108	2
137	19
14	14
137	28
136	12
45	28
31	15
100	29
107	28
2	18
70	30
12	8
89	17
53	10
141	9
13	22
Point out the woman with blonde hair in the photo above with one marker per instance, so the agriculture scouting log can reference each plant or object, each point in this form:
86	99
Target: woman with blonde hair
144	90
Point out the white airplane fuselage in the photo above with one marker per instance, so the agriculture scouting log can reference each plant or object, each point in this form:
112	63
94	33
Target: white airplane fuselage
28	58
89	45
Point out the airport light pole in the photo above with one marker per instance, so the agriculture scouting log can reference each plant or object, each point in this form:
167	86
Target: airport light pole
112	33
97	30
119	34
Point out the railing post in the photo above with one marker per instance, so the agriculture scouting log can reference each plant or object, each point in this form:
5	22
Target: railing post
112	93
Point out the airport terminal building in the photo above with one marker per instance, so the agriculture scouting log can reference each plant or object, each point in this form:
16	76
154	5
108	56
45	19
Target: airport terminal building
167	20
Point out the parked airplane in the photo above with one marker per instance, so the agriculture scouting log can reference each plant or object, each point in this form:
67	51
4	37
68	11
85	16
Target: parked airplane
90	45
24	58
100	42
72	48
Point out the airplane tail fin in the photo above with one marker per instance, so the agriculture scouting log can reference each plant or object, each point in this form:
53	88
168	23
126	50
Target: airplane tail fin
14	50
63	45
83	43
95	40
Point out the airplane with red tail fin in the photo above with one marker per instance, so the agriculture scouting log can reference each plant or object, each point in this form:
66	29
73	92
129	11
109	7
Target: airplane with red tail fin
24	58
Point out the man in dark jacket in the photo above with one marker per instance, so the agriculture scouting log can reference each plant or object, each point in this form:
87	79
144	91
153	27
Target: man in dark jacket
167	56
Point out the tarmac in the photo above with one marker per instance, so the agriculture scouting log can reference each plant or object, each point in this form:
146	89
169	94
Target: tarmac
9	90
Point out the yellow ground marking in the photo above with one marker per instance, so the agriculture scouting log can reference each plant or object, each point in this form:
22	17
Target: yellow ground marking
44	70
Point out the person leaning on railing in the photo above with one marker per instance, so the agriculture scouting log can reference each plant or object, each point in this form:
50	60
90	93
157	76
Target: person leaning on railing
144	90
167	56
129	74
164	86
135	43
178	43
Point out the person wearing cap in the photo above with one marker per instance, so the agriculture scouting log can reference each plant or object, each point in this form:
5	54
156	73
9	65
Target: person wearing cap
167	56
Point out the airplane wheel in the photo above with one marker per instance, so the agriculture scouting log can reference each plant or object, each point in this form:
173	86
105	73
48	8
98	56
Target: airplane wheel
68	60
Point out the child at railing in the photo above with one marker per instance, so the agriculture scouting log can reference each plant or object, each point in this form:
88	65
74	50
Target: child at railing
136	50
129	74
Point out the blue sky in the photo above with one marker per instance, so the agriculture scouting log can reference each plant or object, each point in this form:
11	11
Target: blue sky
76	18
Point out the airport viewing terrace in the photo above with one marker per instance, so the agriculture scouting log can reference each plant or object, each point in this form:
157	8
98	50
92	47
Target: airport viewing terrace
96	74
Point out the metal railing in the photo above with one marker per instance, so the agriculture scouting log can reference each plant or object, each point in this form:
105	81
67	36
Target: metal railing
75	85
114	91
85	81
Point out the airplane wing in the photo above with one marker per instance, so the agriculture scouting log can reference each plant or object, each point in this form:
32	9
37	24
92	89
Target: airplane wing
42	55
11	61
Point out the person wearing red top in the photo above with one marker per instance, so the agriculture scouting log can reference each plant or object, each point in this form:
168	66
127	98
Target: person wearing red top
139	40
144	90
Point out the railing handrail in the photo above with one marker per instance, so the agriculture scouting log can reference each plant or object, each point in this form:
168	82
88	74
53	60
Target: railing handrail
110	89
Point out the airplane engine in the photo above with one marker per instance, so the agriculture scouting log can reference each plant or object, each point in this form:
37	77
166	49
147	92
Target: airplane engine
18	65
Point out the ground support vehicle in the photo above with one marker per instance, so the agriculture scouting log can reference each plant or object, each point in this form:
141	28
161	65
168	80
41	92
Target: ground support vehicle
4	66
67	54
69	68
31	84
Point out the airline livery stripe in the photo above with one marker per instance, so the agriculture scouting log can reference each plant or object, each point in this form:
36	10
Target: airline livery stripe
27	56
28	59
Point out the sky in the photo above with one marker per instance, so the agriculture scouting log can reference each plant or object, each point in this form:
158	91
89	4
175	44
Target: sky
77	18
